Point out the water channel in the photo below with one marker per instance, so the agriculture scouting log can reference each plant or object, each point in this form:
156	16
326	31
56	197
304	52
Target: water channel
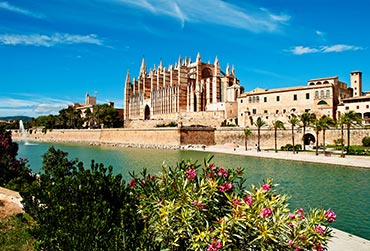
346	190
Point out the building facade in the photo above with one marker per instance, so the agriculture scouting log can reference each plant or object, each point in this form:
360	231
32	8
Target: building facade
188	93
320	96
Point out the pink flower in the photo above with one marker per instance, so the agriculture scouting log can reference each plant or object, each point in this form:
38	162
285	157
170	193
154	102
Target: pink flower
266	212
266	187
219	221
198	204
191	174
236	202
132	183
248	200
318	247
291	216
222	172
213	167
318	229
301	213
330	216
226	187
290	242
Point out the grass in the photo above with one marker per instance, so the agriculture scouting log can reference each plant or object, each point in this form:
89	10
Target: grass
15	233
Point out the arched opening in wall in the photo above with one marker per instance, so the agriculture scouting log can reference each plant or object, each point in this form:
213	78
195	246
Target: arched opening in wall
147	113
322	102
206	73
195	102
308	138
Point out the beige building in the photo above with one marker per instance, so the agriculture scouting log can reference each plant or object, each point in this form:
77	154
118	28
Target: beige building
188	93
320	96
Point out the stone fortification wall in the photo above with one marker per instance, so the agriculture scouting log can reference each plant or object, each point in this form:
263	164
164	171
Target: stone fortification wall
197	136
175	137
158	137
235	135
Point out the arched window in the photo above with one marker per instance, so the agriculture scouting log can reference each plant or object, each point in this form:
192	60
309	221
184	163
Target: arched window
250	99
316	94
322	102
328	93
322	93
206	73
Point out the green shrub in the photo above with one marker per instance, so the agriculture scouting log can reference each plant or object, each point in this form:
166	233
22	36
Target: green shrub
185	208
366	141
80	209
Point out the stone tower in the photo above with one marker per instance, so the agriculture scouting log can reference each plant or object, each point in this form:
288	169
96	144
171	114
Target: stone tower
356	83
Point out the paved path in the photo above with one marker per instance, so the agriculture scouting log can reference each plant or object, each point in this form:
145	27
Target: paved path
341	241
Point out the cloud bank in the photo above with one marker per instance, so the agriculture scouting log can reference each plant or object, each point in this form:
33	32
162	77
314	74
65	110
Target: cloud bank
218	12
49	40
300	50
18	10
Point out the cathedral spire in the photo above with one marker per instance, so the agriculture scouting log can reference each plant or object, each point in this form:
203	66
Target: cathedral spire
228	70
216	61
198	58
127	78
233	70
143	67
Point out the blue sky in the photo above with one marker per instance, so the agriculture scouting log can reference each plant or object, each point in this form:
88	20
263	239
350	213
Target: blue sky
54	51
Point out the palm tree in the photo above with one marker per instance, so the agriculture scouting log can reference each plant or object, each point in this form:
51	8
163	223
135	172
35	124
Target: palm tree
259	123
326	122
316	126
247	133
277	125
349	119
306	119
293	122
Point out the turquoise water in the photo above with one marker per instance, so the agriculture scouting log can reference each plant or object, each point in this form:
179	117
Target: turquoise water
345	190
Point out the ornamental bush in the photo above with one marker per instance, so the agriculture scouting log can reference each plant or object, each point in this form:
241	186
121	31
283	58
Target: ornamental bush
209	208
366	141
14	172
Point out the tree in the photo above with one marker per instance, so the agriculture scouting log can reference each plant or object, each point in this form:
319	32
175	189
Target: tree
326	122
293	122
317	127
306	119
107	115
349	119
247	133
259	123
277	125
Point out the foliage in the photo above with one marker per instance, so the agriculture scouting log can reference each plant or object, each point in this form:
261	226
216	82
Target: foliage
277	124
293	122
306	119
348	120
14	173
366	141
259	123
79	209
186	208
247	134
289	147
227	124
171	124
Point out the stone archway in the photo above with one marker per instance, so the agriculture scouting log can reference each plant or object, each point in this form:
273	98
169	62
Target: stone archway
147	113
308	138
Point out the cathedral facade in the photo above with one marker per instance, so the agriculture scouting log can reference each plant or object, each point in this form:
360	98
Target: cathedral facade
187	92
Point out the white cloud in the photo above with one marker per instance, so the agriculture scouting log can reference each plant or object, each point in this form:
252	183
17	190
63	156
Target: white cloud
12	8
49	40
340	48
300	50
214	11
29	105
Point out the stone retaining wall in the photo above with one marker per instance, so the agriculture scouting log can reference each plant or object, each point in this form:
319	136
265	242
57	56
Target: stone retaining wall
175	137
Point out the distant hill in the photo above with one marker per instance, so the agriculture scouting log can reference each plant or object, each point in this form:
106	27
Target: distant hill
23	118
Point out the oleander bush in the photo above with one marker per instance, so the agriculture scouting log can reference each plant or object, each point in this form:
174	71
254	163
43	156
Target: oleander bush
192	208
366	141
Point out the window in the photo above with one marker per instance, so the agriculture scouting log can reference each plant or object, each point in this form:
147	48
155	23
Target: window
307	96
322	102
241	114
265	99
277	112
284	111
295	97
307	110
254	99
258	99
347	108
241	101
328	93
367	106
254	111
265	111
250	99
357	107
277	98
316	94
322	93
